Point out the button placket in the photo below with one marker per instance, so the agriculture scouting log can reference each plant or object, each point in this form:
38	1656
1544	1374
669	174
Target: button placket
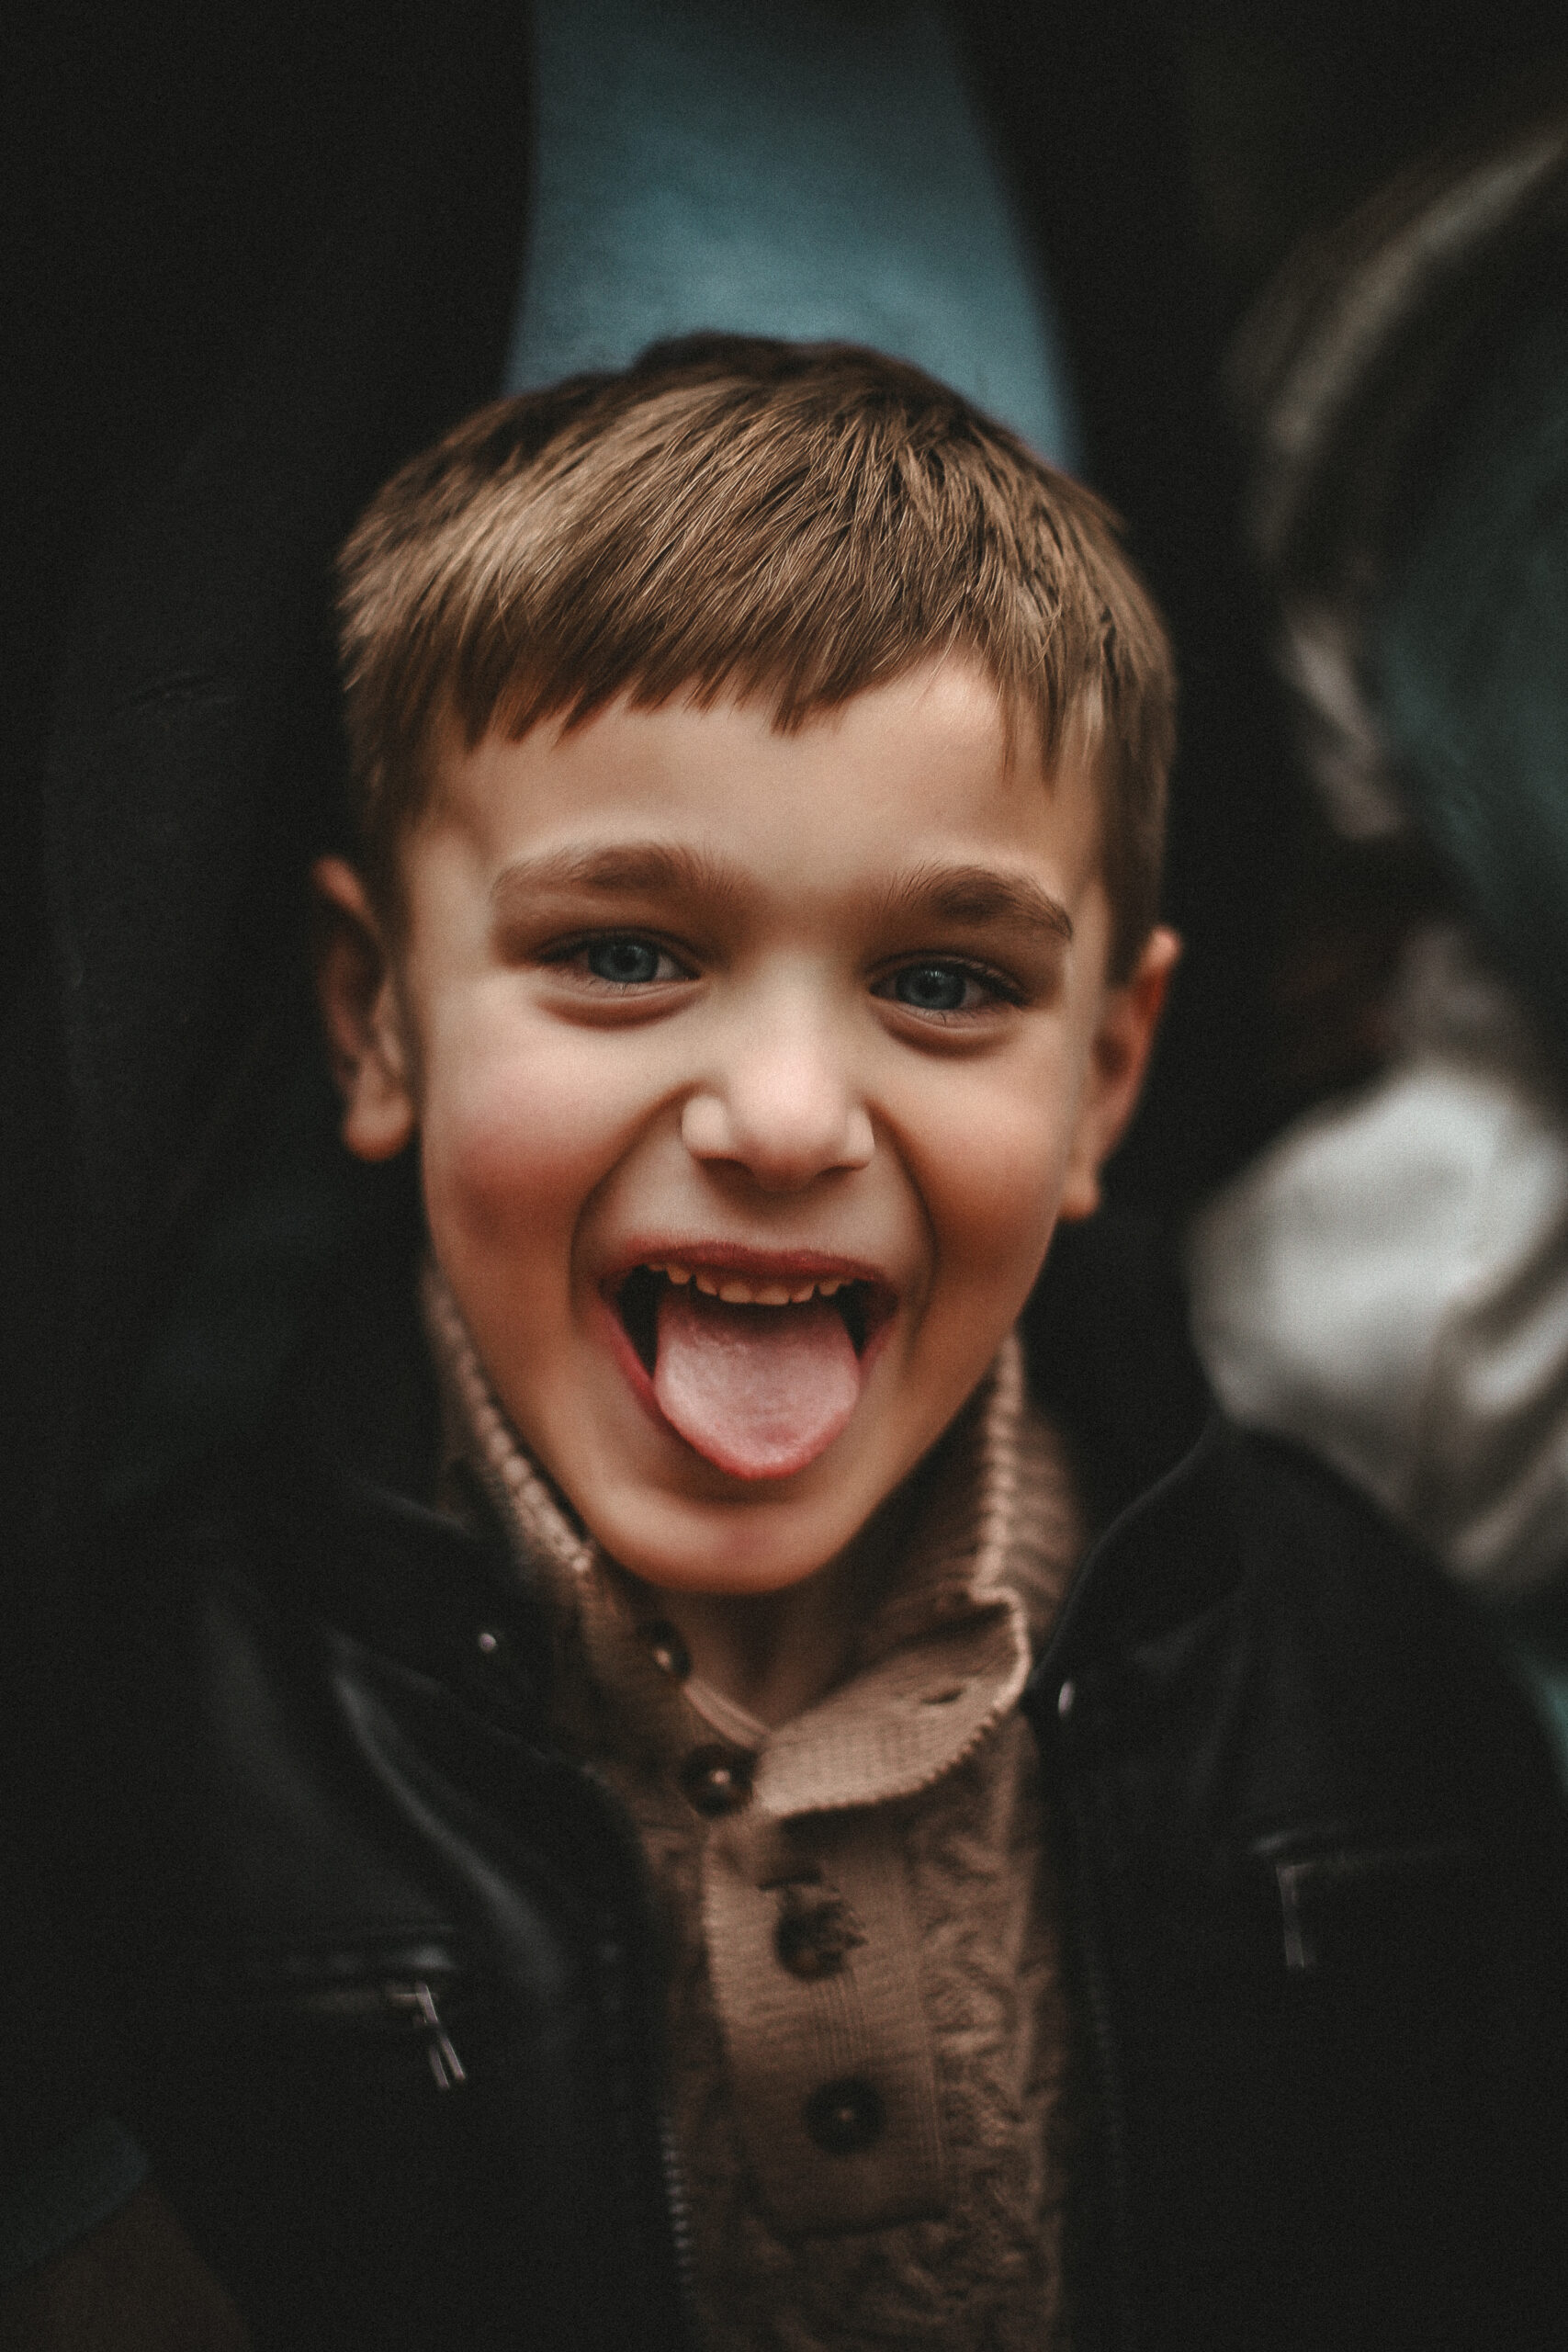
828	2042
845	2116
817	1931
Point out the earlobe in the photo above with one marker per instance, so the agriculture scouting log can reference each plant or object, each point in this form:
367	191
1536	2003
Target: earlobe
1119	1057
355	989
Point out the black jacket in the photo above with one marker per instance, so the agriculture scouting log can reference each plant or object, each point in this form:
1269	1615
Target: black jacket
389	1981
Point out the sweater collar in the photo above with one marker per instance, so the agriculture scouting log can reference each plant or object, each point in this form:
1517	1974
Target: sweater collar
941	1659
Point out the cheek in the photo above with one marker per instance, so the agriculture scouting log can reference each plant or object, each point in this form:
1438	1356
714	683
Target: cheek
514	1136
993	1155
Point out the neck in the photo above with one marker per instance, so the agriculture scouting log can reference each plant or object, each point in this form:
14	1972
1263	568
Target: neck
775	1653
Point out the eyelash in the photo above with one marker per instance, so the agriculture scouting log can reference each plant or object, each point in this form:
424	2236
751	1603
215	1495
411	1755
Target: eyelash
997	987
576	951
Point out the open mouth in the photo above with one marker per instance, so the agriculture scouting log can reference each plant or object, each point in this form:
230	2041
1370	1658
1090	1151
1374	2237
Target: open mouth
757	1370
636	1301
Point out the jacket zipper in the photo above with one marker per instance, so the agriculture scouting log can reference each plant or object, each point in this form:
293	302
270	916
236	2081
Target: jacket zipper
411	1998
680	2212
444	2064
616	1968
677	2212
387	2000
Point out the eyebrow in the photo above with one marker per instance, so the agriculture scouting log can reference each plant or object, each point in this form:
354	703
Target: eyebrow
625	869
981	896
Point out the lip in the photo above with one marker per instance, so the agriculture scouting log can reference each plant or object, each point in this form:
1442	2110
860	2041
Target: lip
747	1261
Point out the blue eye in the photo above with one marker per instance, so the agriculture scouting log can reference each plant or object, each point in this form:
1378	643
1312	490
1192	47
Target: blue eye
933	988
624	961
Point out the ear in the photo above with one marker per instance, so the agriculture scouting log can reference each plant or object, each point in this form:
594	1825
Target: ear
356	989
1119	1056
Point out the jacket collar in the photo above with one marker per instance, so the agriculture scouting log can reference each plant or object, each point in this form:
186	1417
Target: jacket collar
1111	1357
1170	1555
1108	1357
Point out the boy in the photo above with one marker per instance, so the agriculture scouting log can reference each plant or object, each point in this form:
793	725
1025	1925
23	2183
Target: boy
759	762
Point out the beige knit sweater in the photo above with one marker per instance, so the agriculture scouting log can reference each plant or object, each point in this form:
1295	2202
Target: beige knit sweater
868	2027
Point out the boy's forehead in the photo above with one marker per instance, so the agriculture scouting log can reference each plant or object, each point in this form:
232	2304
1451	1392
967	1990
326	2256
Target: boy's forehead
931	764
973	732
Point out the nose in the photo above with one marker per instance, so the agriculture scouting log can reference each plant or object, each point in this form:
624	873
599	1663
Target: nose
783	1106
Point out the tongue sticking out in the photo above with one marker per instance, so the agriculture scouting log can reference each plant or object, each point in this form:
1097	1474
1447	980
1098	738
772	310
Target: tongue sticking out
760	1391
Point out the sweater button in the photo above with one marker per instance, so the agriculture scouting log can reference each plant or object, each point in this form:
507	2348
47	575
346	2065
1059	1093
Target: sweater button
717	1780
844	2116
813	1944
668	1651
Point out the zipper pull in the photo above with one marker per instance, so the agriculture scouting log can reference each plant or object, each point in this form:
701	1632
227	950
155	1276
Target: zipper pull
444	2064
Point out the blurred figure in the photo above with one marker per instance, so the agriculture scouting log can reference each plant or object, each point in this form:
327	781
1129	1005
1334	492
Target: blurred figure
1388	1282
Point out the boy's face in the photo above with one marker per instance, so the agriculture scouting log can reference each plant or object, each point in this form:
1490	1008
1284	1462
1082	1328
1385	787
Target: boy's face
686	1005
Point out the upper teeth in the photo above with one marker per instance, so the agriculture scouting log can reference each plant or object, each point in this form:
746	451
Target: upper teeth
736	1292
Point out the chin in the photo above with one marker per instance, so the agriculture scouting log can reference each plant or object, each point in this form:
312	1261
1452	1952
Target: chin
751	1544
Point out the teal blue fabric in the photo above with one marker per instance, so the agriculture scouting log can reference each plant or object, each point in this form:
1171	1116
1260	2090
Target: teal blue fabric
74	2188
809	168
1471	661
